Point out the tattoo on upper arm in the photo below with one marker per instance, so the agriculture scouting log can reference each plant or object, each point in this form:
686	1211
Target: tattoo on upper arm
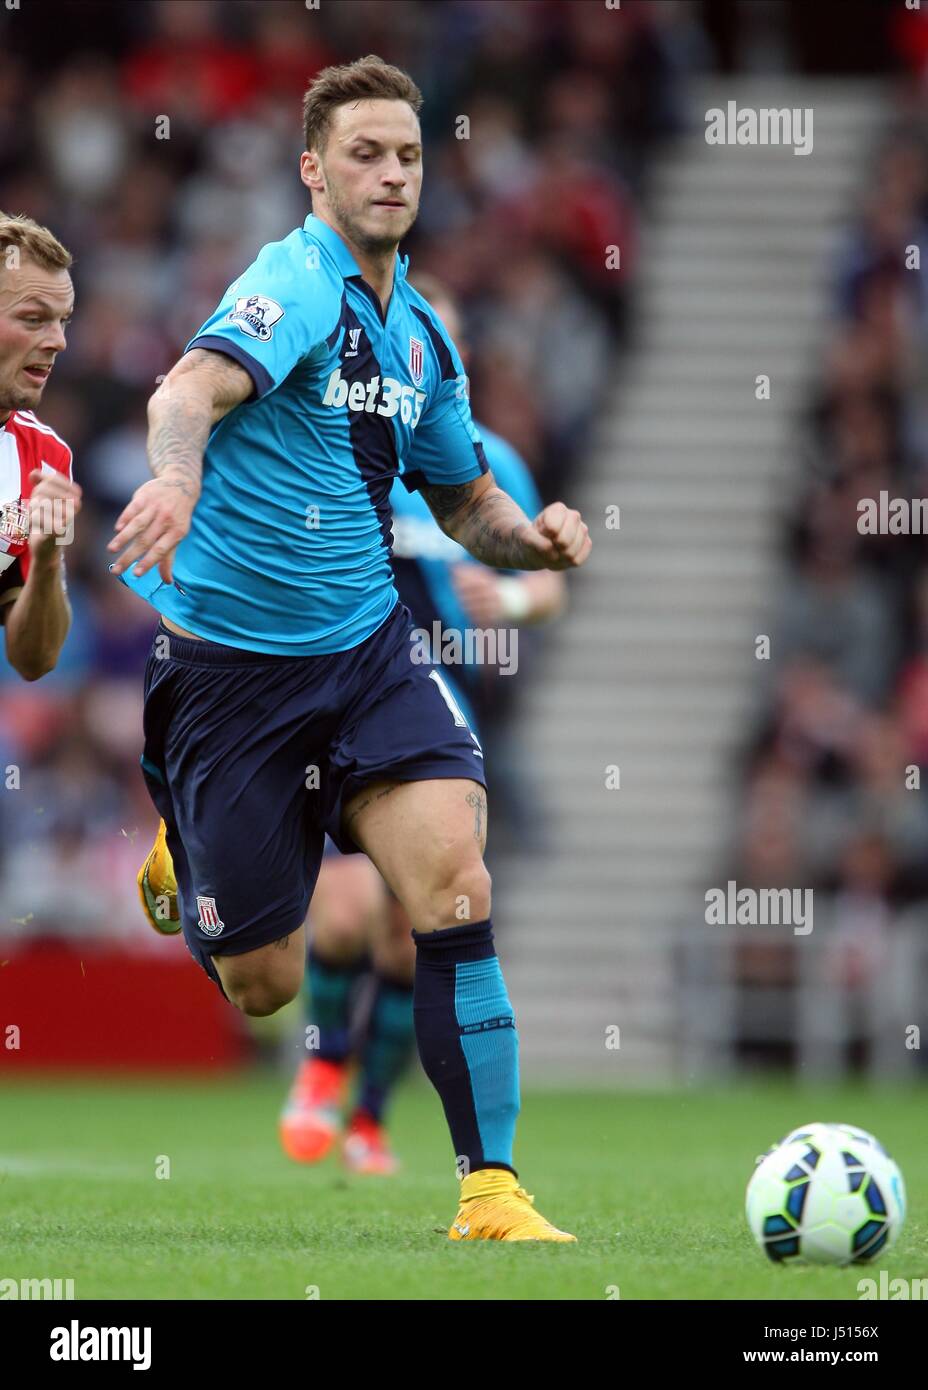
229	382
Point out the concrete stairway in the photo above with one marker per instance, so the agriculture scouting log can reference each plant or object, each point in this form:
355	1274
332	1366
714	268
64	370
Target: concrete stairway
654	669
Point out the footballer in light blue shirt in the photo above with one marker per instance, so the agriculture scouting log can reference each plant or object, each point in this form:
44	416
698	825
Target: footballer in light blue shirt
353	920
281	698
288	550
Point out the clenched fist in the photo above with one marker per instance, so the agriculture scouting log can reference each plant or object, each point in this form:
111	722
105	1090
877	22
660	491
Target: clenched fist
53	504
560	536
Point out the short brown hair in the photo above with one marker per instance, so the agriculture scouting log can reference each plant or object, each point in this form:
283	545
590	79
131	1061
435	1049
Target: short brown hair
366	79
32	240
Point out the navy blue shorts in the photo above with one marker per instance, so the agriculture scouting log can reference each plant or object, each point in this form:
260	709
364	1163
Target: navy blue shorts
250	759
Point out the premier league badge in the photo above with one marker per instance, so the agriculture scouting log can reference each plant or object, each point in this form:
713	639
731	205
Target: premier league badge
256	315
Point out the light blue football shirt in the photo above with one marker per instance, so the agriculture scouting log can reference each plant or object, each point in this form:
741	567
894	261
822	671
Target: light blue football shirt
289	546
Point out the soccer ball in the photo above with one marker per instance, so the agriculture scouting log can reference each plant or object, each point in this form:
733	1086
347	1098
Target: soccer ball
827	1193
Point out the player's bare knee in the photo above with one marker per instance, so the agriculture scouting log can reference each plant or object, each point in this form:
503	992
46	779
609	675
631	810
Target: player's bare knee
260	983
261	998
459	891
251	1001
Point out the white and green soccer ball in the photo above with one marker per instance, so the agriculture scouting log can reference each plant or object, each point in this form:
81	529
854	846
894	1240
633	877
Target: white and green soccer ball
828	1194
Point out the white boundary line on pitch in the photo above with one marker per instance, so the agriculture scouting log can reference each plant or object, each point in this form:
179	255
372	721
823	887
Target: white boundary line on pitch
17	1165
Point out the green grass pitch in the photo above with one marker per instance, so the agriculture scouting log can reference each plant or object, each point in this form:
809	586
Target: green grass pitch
652	1184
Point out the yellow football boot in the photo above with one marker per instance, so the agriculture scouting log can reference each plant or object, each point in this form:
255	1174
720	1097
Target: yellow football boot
158	887
494	1207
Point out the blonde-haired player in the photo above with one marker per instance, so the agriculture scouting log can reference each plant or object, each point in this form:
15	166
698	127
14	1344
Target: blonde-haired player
38	496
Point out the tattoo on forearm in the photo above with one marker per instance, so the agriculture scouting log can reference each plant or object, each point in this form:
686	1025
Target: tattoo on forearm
176	441
202	388
479	802
488	526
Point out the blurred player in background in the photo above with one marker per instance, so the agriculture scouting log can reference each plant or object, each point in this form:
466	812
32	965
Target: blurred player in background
360	935
38	497
281	698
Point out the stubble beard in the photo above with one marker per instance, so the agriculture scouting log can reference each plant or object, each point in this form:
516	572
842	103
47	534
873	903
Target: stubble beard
371	245
12	399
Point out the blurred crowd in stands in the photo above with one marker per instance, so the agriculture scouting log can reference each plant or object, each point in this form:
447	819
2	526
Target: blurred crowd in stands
837	787
564	103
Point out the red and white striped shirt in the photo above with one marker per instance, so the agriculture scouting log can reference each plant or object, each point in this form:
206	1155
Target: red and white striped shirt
25	444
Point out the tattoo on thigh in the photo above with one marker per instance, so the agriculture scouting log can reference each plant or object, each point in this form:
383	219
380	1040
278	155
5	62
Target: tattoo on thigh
479	803
282	943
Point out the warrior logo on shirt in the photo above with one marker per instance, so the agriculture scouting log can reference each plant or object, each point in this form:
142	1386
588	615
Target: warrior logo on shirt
256	315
